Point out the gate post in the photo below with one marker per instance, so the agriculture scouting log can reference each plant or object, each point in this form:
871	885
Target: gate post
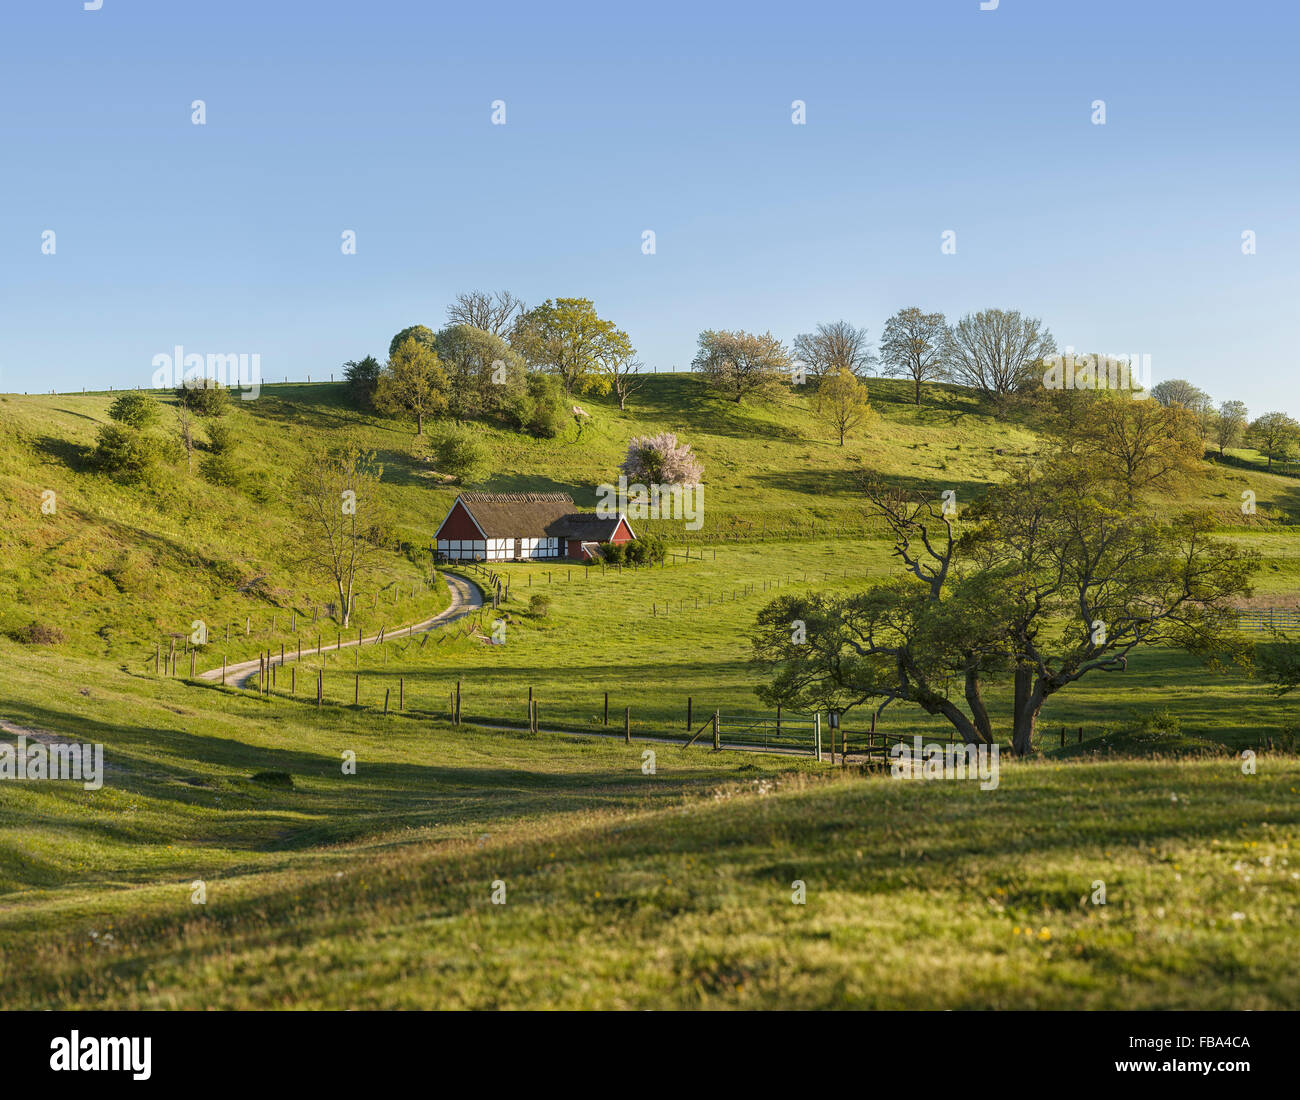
817	735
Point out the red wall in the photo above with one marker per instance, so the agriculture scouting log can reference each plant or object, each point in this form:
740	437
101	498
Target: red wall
621	533
458	525
575	548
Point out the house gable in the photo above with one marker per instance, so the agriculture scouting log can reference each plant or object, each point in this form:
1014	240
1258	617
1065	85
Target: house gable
460	524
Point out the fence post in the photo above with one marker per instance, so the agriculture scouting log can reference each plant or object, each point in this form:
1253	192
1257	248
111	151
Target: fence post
688	714
607	708
293	680
627	725
817	735
778	719
717	742
386	692
401	693
458	702
223	672
356	689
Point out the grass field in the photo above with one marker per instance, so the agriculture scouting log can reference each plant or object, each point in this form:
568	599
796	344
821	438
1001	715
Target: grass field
622	889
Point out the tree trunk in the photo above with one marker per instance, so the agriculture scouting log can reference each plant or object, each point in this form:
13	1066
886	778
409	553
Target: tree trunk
1028	703
419	423
918	391
977	708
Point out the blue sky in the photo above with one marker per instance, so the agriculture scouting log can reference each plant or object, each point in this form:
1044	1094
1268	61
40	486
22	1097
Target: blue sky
921	117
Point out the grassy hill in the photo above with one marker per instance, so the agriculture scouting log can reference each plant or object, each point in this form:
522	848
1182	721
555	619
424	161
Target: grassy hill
623	890
118	566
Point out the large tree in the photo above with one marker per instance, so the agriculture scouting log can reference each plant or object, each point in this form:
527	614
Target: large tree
742	364
841	402
1137	443
482	370
568	338
1051	581
1230	424
495	313
1274	435
412	383
913	347
837	346
1179	391
340	523
997	352
421	334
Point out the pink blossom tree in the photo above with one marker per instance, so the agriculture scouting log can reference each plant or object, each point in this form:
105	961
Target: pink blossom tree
661	460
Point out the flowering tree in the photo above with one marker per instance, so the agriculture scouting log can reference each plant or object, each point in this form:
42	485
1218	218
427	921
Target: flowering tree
661	460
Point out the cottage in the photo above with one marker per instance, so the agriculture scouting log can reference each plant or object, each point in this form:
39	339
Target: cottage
525	526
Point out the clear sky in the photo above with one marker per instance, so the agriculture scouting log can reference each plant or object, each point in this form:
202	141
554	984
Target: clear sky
922	116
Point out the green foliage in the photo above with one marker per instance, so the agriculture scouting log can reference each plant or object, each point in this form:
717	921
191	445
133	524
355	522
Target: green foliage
221	437
567	337
421	334
136	410
220	468
413	383
539	606
362	378
460	452
128	453
539	406
205	396
647	550
483	370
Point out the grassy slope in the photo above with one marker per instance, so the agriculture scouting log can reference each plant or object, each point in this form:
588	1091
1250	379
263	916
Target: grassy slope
117	567
681	895
622	890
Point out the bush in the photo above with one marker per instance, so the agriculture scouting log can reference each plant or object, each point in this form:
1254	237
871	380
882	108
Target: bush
362	378
35	633
205	396
649	550
127	452
221	469
221	437
461	452
539	407
136	410
539	606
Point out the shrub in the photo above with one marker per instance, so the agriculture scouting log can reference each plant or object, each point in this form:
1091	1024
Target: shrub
136	410
35	633
461	452
648	550
539	406
127	452
221	469
539	606
221	437
205	396
362	378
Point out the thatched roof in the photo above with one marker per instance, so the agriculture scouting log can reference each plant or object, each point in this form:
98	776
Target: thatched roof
584	525
535	515
516	515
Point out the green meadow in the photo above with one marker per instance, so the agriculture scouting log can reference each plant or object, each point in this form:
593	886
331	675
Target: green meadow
621	889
